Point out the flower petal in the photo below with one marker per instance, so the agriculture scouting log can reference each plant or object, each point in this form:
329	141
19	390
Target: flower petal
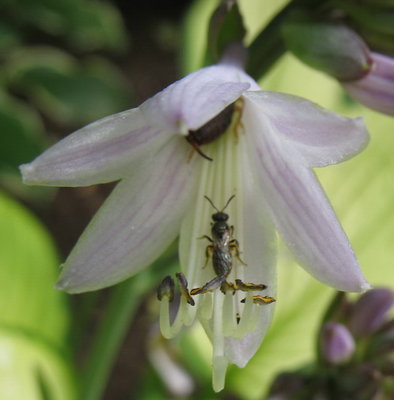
196	99
138	221
319	135
299	207
100	152
259	253
376	90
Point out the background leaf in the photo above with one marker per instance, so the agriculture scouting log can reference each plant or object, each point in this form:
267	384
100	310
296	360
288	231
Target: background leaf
34	319
65	90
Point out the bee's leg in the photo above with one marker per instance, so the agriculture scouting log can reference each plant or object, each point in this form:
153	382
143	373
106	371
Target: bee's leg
234	246
247	287
183	288
210	286
206	237
262	300
208	254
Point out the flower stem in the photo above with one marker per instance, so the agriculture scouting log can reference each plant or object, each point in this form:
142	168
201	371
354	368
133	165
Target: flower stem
120	311
269	46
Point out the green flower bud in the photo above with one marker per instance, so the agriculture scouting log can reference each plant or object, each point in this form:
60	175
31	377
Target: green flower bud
327	46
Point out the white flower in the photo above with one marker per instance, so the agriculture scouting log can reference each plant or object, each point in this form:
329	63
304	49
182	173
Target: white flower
264	158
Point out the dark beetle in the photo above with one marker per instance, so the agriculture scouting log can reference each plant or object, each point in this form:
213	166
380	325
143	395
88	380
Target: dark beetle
211	131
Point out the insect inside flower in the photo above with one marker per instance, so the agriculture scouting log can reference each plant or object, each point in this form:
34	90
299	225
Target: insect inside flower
263	146
220	250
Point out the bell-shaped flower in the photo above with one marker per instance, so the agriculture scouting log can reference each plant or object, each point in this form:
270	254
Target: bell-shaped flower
376	89
262	146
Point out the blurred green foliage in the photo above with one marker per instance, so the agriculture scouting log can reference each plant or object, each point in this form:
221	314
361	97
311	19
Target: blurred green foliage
56	71
34	318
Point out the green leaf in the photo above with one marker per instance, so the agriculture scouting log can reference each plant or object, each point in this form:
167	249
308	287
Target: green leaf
86	25
9	36
34	319
65	90
21	130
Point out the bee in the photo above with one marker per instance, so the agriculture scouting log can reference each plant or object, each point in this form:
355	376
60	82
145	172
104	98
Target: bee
221	248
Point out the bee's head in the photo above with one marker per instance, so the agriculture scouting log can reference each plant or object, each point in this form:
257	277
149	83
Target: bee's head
220	217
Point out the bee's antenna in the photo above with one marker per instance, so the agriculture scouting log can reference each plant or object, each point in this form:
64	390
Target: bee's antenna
210	201
213	205
228	202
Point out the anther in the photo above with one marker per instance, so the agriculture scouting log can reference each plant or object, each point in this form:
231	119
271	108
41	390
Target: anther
183	288
262	300
166	289
246	287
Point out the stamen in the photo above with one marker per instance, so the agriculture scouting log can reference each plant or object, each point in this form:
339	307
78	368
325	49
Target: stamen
205	309
219	360
229	316
167	329
247	317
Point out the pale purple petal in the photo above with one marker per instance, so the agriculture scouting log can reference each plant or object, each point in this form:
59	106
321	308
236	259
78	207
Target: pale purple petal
376	90
259	253
299	207
100	152
319	135
137	222
371	311
196	99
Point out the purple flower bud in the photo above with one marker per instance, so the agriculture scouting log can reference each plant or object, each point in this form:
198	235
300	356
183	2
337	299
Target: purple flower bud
376	89
370	311
337	343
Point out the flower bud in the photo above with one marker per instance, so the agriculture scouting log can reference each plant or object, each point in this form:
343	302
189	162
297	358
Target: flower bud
327	46
337	343
226	28
376	90
370	311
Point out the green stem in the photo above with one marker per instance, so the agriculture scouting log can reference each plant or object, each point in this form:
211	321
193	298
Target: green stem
120	312
269	46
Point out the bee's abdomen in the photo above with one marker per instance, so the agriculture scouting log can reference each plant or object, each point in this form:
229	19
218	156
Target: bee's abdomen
222	261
